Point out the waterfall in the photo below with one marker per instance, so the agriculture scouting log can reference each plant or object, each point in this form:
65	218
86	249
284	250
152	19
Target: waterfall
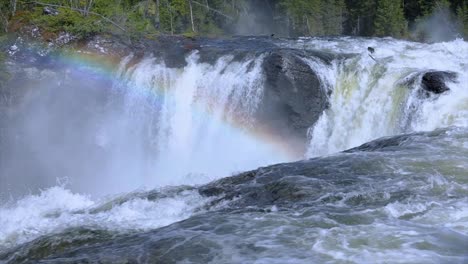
146	124
125	163
372	98
196	123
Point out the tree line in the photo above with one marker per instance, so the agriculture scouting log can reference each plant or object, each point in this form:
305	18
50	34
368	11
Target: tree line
396	18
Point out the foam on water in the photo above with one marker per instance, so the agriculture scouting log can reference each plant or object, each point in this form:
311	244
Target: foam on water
369	99
57	209
192	125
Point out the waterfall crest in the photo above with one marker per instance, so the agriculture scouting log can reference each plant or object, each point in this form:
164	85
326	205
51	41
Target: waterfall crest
372	98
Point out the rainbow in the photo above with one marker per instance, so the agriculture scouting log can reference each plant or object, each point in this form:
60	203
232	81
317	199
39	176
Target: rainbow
108	67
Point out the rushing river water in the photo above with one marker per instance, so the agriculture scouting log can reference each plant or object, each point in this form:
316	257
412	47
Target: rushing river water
139	175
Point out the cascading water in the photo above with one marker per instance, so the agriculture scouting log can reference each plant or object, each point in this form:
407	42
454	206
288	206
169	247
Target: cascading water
371	100
199	120
152	136
155	127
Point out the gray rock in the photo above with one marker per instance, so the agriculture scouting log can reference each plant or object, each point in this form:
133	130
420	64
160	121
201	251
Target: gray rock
293	98
345	190
50	11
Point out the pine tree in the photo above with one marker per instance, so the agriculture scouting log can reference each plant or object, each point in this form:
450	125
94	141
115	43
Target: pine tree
361	15
389	19
333	13
462	16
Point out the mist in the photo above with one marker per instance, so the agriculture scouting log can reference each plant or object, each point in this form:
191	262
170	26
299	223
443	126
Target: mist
260	18
144	126
67	127
440	26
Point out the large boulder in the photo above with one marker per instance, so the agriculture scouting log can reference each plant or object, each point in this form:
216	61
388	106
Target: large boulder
435	81
294	97
284	209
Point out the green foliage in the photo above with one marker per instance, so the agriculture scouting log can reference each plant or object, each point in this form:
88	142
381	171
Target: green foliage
389	19
68	20
462	17
4	75
315	17
333	16
217	17
361	17
5	12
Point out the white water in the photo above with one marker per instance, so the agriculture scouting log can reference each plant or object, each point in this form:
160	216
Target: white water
201	118
57	209
192	125
161	127
369	100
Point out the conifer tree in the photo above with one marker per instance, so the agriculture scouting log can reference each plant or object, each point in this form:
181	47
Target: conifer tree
462	16
361	15
333	14
389	19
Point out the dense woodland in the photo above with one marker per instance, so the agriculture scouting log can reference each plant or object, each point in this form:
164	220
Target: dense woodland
397	18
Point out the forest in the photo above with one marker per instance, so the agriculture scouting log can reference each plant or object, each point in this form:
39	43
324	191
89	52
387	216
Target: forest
407	19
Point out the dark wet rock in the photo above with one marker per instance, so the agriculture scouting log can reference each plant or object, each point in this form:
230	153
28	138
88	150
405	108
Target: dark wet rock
431	82
294	98
165	245
396	143
427	85
389	143
55	244
174	49
435	81
295	201
291	185
302	183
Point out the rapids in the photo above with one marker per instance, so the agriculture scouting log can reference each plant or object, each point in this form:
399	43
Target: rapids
135	162
371	98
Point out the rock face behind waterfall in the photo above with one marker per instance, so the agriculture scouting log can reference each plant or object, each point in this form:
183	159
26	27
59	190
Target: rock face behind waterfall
293	98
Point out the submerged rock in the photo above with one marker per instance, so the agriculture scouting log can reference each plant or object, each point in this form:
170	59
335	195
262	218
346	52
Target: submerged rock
282	212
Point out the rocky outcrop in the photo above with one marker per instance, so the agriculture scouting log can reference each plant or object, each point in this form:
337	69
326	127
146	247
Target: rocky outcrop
435	81
430	82
297	202
294	96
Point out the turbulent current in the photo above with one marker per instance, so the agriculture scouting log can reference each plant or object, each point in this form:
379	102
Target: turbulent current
371	98
144	161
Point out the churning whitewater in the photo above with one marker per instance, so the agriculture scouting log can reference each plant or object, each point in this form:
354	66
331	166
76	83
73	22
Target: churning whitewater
371	98
142	171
